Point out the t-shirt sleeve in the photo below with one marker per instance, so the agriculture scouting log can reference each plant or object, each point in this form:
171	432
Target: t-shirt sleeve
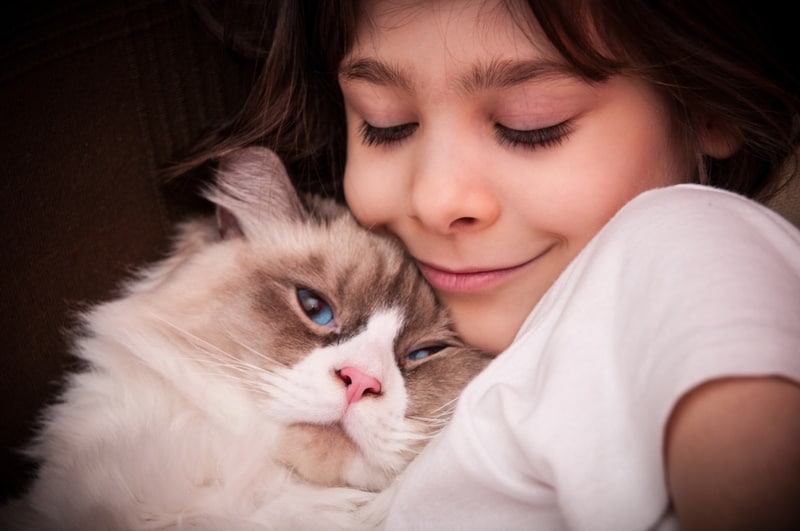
709	287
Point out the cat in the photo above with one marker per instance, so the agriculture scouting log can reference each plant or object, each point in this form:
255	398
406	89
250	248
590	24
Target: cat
277	370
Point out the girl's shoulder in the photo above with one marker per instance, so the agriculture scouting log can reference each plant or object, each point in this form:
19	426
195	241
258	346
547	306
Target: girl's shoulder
688	234
692	210
676	246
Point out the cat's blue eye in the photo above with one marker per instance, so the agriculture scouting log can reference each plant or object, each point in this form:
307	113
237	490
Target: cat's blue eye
422	353
315	307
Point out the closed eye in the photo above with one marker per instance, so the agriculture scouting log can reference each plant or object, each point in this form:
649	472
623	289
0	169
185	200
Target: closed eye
315	307
531	139
423	353
379	136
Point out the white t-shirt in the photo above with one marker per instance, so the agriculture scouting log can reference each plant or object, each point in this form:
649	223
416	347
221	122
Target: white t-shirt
564	429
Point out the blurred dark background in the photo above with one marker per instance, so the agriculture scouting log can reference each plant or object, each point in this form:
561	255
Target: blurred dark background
95	97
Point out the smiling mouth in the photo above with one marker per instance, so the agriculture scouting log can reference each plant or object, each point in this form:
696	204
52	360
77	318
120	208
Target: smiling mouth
470	281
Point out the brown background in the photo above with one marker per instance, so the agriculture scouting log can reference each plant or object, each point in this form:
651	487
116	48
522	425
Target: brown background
95	96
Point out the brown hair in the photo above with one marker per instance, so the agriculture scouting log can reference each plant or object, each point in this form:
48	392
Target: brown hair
722	61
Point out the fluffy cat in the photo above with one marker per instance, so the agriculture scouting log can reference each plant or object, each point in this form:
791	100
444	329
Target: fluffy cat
276	371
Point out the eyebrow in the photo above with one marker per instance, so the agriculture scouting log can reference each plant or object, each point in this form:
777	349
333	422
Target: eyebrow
507	73
374	71
495	74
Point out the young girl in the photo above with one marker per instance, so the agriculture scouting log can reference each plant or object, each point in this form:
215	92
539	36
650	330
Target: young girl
571	178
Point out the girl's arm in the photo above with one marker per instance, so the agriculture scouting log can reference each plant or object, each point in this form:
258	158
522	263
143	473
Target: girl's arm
733	455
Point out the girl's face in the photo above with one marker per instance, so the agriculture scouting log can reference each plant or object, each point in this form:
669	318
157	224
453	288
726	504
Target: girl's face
495	165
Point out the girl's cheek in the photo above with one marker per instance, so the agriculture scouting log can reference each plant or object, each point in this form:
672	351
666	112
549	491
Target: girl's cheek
362	196
375	180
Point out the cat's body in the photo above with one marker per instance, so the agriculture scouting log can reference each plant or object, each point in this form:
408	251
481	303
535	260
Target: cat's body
275	372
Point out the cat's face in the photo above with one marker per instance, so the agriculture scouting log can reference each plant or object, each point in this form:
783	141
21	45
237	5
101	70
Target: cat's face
330	332
368	365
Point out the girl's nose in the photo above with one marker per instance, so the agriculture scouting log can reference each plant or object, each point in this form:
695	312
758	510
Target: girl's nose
451	196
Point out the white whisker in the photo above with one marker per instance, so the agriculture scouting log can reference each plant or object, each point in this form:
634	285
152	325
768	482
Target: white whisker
257	353
200	342
448	407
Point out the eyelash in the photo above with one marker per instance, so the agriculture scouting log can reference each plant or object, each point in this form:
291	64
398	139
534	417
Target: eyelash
543	138
380	136
531	139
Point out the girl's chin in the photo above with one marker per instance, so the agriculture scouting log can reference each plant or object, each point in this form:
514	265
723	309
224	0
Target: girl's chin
487	325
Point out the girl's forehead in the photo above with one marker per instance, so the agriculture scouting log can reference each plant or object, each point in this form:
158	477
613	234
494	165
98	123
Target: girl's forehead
389	15
466	28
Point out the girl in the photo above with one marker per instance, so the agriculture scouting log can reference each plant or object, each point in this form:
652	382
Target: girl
557	169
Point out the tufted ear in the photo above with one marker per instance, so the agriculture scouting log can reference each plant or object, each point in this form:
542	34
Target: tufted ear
252	186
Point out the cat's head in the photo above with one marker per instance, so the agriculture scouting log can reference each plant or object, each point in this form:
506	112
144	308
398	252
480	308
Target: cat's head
328	330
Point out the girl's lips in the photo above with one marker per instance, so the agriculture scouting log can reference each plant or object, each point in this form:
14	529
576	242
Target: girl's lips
468	281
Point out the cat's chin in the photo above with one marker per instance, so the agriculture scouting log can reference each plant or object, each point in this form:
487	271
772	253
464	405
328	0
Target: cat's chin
325	455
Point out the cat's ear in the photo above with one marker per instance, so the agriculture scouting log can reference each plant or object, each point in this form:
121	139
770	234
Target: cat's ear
252	186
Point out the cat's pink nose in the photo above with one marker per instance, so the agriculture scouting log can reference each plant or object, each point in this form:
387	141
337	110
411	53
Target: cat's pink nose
358	384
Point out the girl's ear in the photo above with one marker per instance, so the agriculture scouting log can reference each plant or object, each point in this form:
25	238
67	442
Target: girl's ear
252	186
718	140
